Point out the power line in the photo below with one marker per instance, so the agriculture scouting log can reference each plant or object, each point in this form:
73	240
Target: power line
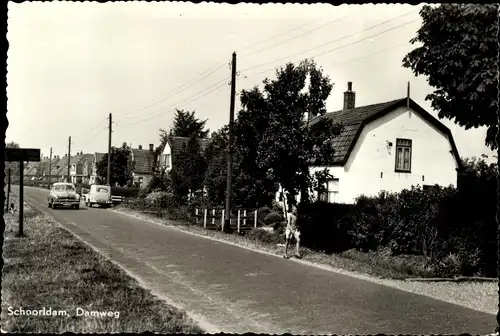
297	36
339	39
162	110
341	63
181	88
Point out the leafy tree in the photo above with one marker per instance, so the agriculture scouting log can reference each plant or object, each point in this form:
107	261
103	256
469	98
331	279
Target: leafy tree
121	166
189	171
12	144
290	142
187	125
459	55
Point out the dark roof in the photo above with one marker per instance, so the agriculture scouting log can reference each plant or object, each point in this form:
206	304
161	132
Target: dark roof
353	121
177	144
99	156
143	161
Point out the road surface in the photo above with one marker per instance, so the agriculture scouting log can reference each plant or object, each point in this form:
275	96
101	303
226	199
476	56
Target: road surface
239	290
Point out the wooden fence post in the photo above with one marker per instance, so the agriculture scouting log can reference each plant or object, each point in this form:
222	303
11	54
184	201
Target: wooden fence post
222	220
205	219
255	219
213	218
196	215
238	220
245	215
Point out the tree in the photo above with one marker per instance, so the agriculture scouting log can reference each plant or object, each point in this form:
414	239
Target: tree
121	166
12	144
291	142
459	55
187	125
188	173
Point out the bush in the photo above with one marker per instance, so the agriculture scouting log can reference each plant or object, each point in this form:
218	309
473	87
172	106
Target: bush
125	192
325	226
160	199
272	218
264	236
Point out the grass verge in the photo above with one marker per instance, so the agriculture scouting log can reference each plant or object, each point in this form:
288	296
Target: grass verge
379	263
50	268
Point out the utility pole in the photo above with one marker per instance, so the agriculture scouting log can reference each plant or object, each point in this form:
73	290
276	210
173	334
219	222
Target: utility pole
69	158
108	179
50	167
227	220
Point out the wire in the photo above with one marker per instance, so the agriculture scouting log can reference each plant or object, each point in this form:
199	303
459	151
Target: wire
162	110
180	89
341	63
339	39
297	36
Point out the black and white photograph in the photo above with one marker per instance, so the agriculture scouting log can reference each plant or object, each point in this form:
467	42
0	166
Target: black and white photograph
179	167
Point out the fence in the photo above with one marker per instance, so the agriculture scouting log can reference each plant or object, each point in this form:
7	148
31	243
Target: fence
240	219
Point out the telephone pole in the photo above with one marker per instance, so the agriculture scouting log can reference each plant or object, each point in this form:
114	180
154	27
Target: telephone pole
108	179
229	191
50	167
69	158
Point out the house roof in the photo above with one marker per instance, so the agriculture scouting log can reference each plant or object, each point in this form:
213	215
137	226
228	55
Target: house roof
353	121
177	144
87	158
99	156
143	161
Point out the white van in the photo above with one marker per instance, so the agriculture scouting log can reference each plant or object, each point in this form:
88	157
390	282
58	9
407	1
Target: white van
99	194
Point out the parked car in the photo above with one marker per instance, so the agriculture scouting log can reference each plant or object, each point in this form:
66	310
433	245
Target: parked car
99	194
63	194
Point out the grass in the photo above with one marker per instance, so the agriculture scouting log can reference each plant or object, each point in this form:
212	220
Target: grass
50	268
379	263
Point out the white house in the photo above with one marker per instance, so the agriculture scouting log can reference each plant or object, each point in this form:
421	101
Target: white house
173	147
388	146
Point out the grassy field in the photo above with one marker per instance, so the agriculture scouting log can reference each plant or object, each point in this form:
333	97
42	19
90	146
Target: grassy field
50	268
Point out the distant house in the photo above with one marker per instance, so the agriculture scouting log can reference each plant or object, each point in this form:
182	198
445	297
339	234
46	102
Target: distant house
143	162
387	147
173	147
85	165
97	157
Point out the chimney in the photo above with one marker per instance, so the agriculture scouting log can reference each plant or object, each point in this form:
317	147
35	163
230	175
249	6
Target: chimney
349	97
140	146
151	147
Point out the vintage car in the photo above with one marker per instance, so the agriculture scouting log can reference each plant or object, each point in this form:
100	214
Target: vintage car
63	195
100	195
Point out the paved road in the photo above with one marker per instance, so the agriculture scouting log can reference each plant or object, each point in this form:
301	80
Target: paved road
239	290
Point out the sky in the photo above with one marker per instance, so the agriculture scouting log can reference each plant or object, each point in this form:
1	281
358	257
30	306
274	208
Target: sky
71	64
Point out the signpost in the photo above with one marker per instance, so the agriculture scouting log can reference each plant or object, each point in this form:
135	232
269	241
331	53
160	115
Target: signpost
21	155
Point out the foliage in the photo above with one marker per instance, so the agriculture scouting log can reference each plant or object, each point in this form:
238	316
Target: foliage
125	191
290	144
323	226
12	144
459	55
264	236
161	180
161	199
121	165
188	173
272	218
187	125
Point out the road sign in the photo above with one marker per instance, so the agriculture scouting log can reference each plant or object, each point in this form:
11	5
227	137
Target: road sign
22	154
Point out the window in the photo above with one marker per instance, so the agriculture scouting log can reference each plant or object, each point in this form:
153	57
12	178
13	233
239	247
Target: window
331	192
403	155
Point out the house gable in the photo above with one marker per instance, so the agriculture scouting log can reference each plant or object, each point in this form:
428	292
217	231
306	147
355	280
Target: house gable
354	120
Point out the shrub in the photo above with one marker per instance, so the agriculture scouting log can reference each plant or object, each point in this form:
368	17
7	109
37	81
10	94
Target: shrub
272	218
264	236
125	192
325	226
160	199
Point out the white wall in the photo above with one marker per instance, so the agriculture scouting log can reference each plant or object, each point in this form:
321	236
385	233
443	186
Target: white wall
167	151
431	160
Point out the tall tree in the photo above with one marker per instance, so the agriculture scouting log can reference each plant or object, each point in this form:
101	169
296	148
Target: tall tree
459	55
121	165
188	173
187	125
290	144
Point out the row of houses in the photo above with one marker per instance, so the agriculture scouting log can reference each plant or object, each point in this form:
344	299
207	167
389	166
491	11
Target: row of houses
83	167
386	146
